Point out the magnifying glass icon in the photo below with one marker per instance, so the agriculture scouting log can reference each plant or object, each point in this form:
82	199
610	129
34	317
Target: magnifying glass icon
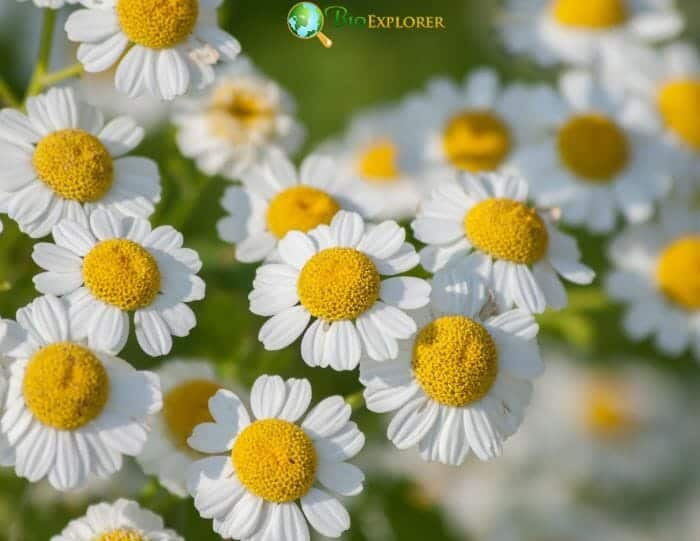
305	20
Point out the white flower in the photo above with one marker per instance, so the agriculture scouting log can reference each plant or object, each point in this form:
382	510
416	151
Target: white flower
483	224
573	31
274	200
334	275
161	48
656	275
264	467
229	128
118	265
71	410
53	4
187	387
596	158
121	520
61	161
463	381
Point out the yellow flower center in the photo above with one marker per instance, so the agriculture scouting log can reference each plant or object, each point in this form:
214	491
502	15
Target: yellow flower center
338	284
598	14
233	107
455	360
122	273
679	103
157	24
476	141
65	386
275	460
507	229
678	272
74	164
122	534
187	406
378	162
606	413
300	208
593	147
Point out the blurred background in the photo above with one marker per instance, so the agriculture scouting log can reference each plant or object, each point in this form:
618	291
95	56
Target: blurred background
610	447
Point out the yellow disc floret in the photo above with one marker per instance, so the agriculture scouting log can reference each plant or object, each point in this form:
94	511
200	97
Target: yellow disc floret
275	460
65	386
606	412
74	164
240	113
379	162
338	284
187	406
679	103
300	208
592	14
593	147
678	272
455	360
157	24
122	273
476	141
507	229
122	534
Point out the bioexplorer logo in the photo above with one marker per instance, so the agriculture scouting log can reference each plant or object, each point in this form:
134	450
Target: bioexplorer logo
306	20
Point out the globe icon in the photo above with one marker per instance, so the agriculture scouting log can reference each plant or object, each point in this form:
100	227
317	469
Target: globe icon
305	21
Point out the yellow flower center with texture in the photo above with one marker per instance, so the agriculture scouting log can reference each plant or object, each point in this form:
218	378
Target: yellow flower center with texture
678	272
122	273
606	413
235	111
476	141
186	406
122	534
593	147
74	164
590	14
378	162
300	208
338	284
65	386
157	24
679	103
507	229
275	460
455	360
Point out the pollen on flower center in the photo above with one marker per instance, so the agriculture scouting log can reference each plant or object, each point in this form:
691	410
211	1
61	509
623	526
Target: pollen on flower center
121	534
595	14
65	386
186	406
455	360
679	103
157	24
378	163
606	413
507	229
122	273
275	460
476	141
338	284
74	164
593	147
678	272
300	208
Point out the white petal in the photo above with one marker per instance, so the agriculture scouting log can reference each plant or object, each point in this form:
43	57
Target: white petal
341	477
526	291
297	401
327	417
96	57
296	248
267	396
326	514
227	409
347	228
212	437
412	422
282	329
121	135
173	74
405	292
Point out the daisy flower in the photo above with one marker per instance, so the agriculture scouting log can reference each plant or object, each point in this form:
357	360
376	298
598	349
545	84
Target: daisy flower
117	265
187	387
53	4
62	161
463	381
596	160
573	31
483	224
274	200
71	410
160	48
122	520
264	470
334	274
228	128
656	274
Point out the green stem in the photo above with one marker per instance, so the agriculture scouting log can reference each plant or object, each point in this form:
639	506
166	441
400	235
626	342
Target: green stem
356	400
59	75
7	96
44	56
